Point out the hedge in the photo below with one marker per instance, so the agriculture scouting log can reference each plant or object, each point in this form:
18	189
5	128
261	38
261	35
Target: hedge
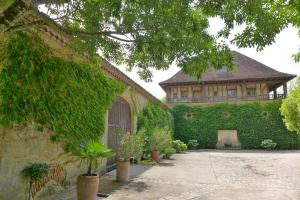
253	121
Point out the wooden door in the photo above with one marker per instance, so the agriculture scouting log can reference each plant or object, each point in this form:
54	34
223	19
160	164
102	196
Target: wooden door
119	117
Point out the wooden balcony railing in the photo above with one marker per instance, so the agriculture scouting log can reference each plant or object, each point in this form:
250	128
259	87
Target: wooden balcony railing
206	99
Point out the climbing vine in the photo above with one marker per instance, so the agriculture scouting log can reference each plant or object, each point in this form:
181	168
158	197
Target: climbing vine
155	117
254	122
67	97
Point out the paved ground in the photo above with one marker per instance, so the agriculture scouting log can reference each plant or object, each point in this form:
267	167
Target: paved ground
214	175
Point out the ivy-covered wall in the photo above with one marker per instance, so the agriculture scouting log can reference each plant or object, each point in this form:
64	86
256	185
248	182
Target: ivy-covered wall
45	94
154	116
67	97
253	121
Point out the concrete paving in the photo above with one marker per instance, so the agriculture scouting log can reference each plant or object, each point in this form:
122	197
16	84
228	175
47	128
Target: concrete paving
213	175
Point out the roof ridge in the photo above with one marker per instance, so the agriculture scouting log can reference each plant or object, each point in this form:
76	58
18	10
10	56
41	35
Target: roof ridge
264	65
247	69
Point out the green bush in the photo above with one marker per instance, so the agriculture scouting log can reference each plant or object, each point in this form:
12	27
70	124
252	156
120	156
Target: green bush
290	108
268	144
253	121
169	152
192	144
153	119
160	140
183	147
179	146
128	145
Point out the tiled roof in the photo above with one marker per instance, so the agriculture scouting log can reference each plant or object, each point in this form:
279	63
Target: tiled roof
246	69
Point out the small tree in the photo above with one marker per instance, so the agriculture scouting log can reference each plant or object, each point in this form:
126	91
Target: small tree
128	145
290	109
160	139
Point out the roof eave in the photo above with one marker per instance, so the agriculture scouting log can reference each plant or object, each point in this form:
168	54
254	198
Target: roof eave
287	78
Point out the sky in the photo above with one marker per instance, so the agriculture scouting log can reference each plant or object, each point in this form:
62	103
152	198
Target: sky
277	56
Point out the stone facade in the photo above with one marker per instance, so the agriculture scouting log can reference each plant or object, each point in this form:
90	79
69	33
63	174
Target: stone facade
228	139
21	147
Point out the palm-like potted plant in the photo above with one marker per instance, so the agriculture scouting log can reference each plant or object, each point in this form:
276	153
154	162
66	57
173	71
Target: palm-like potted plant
128	146
90	152
158	141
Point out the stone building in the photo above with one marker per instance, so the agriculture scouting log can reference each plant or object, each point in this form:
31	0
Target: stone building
249	81
20	147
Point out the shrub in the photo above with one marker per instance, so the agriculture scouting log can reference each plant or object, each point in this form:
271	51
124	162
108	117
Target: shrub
169	152
183	147
290	109
35	172
160	140
155	117
192	144
128	145
268	144
179	146
253	121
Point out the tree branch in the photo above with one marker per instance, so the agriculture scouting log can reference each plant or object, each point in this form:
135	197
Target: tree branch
101	33
24	26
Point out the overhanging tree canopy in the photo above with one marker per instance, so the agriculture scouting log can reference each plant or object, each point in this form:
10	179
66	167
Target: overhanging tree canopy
153	34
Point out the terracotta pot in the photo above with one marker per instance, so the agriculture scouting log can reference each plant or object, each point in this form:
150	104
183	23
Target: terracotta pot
155	155
123	168
168	156
87	187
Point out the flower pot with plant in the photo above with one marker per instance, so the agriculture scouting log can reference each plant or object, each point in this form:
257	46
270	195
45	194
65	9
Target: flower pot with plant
158	141
90	153
128	146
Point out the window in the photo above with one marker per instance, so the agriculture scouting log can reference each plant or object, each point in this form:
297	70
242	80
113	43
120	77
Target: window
251	92
184	94
175	95
215	93
196	94
231	93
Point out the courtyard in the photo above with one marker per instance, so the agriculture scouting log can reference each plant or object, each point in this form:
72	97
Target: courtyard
213	175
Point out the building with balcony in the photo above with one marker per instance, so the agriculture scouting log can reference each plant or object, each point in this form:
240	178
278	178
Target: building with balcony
249	81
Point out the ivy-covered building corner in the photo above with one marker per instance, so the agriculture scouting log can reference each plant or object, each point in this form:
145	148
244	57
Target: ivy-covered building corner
54	96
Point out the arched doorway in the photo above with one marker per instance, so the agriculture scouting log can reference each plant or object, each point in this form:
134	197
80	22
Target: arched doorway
119	117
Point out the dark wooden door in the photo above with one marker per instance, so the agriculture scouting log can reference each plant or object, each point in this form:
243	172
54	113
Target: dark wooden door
119	117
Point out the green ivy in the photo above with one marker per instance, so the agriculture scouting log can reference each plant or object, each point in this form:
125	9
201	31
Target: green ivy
253	121
155	117
64	96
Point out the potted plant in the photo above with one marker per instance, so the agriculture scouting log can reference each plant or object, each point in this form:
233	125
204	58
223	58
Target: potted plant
169	152
90	153
128	146
35	172
158	141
